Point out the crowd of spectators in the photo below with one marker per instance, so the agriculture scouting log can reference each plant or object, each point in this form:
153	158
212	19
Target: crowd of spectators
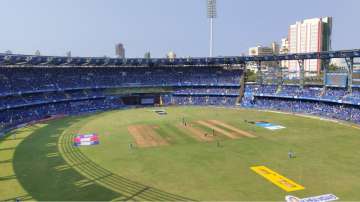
14	80
313	92
319	108
28	94
334	93
294	99
15	116
203	100
17	100
208	91
222	96
354	96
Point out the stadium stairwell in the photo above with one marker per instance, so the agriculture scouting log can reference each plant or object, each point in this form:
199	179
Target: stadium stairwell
242	88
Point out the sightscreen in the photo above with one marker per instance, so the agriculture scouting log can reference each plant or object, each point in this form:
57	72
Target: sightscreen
147	101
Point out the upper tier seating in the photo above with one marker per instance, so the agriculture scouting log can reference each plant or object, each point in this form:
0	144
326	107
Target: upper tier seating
30	94
13	80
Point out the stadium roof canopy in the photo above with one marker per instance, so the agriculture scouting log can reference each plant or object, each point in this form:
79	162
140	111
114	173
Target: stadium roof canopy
51	61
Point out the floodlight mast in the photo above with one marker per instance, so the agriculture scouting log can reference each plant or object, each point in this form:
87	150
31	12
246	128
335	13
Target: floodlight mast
211	14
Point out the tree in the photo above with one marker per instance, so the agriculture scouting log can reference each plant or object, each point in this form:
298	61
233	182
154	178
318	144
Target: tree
250	76
333	68
147	55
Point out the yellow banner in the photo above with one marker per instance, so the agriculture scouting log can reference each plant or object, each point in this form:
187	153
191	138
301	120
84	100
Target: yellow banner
277	179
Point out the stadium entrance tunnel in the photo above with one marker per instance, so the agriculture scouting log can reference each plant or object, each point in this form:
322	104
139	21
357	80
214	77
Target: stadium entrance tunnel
142	99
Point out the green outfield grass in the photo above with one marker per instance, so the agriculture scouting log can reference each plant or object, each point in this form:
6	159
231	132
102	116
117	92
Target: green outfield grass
42	164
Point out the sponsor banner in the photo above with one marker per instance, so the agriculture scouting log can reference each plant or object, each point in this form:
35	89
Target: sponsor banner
86	140
269	126
321	198
277	179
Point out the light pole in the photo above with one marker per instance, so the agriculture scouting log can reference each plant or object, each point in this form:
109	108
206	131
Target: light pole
211	14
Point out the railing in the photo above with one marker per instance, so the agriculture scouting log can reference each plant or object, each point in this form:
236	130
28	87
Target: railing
114	86
207	94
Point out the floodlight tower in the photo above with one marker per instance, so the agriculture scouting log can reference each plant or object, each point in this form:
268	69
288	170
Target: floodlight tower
211	14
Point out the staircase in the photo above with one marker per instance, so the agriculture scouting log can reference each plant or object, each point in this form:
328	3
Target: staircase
241	90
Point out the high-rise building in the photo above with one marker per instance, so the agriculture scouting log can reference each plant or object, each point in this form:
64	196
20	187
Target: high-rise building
273	49
260	50
310	35
147	55
171	55
68	54
120	50
284	49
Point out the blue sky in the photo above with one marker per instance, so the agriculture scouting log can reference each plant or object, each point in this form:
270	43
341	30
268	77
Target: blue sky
92	27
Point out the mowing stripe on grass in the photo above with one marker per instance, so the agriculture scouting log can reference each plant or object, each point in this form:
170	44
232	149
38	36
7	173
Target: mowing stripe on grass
96	174
196	133
174	134
11	188
217	129
146	136
217	136
232	128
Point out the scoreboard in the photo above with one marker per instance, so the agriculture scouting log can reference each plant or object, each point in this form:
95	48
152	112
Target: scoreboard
336	79
356	78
